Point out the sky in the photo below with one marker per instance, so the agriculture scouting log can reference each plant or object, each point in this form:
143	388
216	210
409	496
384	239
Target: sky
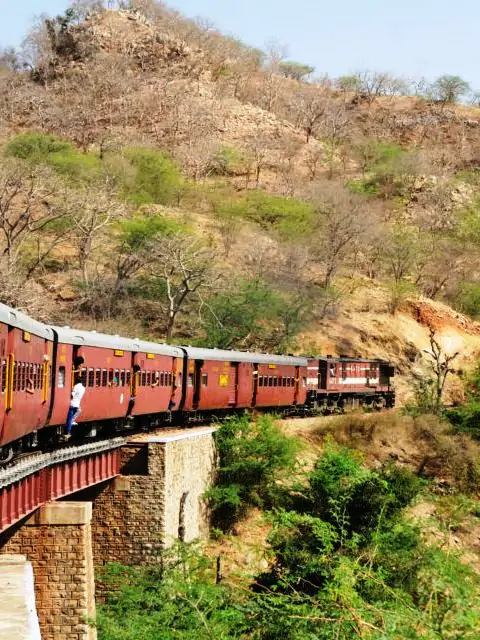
410	38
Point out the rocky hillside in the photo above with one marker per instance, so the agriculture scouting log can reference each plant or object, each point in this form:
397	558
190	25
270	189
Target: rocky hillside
177	182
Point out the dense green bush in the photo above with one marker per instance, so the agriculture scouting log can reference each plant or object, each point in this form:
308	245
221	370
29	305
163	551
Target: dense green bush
253	456
149	176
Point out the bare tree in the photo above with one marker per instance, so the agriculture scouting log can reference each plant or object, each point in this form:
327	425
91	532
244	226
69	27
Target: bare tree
440	365
185	264
30	203
341	219
91	213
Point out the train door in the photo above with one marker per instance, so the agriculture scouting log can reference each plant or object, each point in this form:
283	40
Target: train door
322	374
297	385
254	385
197	383
233	384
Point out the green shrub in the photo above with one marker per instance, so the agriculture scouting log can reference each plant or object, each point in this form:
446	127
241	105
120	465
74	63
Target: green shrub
37	147
253	455
149	177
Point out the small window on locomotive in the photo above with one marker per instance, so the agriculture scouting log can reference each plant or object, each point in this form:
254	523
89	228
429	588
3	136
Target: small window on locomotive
148	378
260	381
162	379
333	372
128	377
275	381
110	377
270	381
91	377
104	377
122	378
98	377
304	381
205	379
61	377
190	379
83	376
143	378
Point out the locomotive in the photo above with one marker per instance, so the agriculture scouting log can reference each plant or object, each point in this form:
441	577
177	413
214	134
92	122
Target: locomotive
135	383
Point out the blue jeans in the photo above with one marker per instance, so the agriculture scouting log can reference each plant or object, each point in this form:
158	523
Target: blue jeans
72	412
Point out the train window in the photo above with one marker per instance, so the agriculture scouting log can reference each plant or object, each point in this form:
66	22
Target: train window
110	377
304	381
61	378
143	378
91	377
162	379
275	381
170	379
128	377
332	371
270	381
179	379
190	379
260	381
122	378
148	378
205	379
292	382
98	378
23	375
344	370
104	377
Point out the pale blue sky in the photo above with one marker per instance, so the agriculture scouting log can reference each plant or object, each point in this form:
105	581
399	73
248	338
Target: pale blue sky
409	37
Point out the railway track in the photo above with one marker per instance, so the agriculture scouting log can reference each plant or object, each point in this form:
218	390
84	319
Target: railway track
34	462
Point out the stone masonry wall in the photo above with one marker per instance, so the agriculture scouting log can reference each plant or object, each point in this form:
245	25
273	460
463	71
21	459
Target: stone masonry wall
137	515
57	541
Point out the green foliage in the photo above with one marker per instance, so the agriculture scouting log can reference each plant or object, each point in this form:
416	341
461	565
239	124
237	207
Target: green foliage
449	88
137	233
149	177
229	318
466	417
467	299
255	315
63	157
227	161
36	147
253	455
290	217
177	598
295	70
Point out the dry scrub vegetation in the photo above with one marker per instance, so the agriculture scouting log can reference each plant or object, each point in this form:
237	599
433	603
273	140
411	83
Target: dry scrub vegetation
161	179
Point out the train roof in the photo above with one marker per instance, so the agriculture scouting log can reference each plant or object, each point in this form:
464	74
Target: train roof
15	318
107	341
197	353
158	348
79	337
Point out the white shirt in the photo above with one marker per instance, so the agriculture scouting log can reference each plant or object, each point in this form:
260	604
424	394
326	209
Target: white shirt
77	395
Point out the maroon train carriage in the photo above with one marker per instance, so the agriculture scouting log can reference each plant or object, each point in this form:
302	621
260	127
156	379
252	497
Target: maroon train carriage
157	380
337	382
105	364
26	348
217	379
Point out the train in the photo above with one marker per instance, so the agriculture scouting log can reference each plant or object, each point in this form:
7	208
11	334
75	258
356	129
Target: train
132	383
